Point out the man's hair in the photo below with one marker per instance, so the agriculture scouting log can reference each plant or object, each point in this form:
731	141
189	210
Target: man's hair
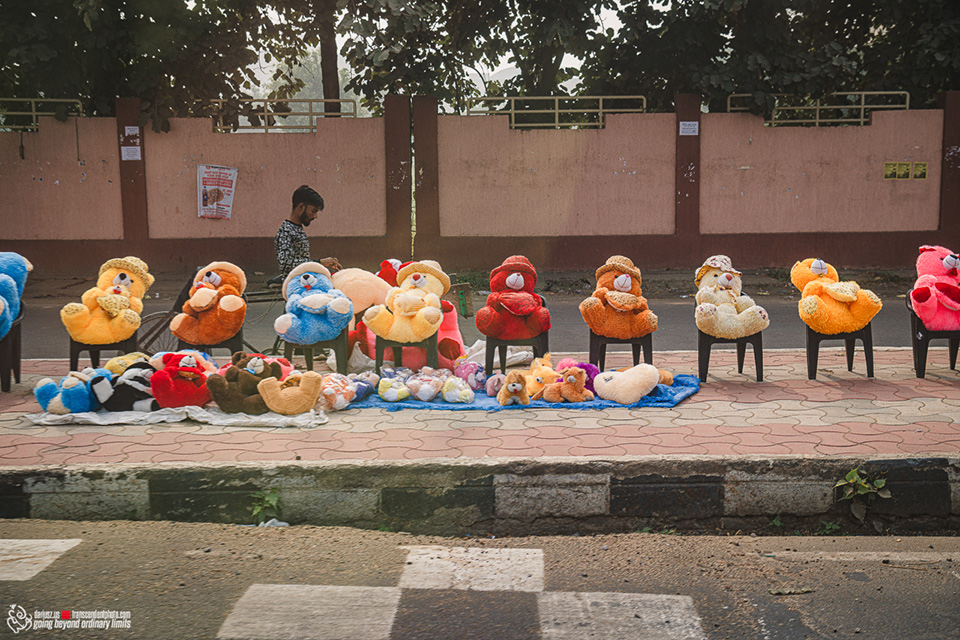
306	195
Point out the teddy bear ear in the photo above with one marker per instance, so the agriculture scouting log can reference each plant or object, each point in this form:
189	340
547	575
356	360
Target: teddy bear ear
169	357
927	247
238	356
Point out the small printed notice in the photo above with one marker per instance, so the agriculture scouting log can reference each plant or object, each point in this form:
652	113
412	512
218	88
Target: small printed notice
689	128
897	171
919	170
215	188
130	153
132	131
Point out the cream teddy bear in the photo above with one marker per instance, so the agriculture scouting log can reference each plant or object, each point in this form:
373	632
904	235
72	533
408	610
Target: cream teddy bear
412	312
722	310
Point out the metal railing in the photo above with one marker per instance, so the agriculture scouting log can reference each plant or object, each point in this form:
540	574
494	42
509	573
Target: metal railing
276	115
844	108
23	114
560	112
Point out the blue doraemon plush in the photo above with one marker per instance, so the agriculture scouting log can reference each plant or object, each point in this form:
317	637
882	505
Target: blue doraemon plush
13	276
315	311
74	393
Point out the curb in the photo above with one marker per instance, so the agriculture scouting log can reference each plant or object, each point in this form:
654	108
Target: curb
492	495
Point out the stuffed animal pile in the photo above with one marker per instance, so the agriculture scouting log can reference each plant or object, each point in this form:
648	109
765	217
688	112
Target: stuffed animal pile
315	311
110	311
722	310
13	277
216	309
617	308
827	305
935	296
412	311
236	391
513	311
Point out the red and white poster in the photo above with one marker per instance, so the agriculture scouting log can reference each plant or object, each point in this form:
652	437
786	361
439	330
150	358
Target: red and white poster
215	188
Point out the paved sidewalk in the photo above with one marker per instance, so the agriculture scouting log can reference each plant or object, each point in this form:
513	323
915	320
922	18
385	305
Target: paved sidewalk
840	413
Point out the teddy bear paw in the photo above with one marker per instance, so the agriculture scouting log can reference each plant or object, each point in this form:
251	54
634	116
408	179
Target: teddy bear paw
316	301
283	323
202	298
73	309
372	313
809	305
231	303
177	321
871	296
653	320
707	311
130	317
340	305
432	315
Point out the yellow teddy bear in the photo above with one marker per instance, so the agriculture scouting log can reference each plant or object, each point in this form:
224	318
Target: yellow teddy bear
110	311
827	305
412	311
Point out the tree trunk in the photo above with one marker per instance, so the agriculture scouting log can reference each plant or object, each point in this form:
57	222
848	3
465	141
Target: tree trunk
329	73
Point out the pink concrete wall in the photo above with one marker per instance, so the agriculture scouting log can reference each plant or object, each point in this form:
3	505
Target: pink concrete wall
343	161
618	180
50	195
761	179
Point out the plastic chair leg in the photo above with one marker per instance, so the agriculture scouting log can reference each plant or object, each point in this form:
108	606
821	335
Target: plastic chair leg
758	355
851	347
741	355
813	347
954	347
868	349
703	355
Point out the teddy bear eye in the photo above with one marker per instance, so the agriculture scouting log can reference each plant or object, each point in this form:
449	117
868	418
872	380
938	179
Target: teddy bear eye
122	278
308	279
571	379
540	379
212	277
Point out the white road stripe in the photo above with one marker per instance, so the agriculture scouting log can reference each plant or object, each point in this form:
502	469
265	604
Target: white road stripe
434	567
617	616
23	559
312	612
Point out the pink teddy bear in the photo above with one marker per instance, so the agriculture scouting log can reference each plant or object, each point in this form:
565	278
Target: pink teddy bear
936	293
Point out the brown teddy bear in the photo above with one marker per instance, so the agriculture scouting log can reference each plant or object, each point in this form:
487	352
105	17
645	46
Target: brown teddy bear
572	388
297	394
617	309
236	390
216	310
514	390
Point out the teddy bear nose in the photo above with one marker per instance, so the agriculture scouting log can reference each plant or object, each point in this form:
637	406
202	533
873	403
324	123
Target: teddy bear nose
515	281
819	267
951	262
622	283
726	278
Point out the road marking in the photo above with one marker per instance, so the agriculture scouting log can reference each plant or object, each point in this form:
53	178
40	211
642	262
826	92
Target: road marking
23	559
312	612
614	616
434	567
894	557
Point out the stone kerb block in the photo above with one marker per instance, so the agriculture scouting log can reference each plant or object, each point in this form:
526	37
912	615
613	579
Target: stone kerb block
574	495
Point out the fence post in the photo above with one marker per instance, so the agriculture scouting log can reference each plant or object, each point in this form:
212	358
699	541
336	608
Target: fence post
396	139
687	107
949	101
133	175
426	181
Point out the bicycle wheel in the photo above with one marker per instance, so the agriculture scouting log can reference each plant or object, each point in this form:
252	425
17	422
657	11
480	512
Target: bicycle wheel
155	333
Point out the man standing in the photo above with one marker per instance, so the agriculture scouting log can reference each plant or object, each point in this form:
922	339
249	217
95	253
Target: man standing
292	244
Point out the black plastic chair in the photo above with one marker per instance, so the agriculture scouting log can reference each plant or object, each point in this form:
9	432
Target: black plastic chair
920	340
339	345
10	352
430	346
598	348
540	345
76	348
814	339
705	343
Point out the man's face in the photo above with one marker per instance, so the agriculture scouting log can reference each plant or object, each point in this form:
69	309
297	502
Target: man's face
308	213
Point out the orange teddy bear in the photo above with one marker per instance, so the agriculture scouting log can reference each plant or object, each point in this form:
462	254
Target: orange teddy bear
617	309
829	305
572	388
216	310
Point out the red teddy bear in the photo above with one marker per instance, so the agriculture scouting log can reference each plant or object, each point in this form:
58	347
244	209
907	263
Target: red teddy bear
181	382
513	311
936	293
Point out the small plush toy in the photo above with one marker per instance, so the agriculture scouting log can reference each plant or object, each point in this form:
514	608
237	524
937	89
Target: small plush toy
591	370
128	391
215	310
473	373
628	386
617	308
336	392
235	391
722	310
827	305
110	312
315	311
118	364
392	389
13	277
412	311
181	383
495	383
541	373
936	294
513	311
204	360
571	387
295	395
456	390
425	385
514	390
72	395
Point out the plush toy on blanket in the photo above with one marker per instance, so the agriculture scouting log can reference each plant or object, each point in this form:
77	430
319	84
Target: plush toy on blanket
513	311
629	385
336	392
181	383
235	391
722	310
13	276
110	312
570	388
119	364
129	390
204	360
617	309
541	374
315	311
591	370
514	390
72	395
216	309
936	294
827	305
297	394
412	311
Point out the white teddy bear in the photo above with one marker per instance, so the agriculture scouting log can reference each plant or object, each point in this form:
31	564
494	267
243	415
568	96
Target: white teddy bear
722	311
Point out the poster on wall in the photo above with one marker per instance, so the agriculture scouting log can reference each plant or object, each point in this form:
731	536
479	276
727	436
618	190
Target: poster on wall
215	188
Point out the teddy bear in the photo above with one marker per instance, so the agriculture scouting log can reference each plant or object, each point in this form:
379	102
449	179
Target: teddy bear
935	296
204	360
181	383
216	309
315	311
235	391
827	305
364	289
513	311
72	395
13	277
541	373
336	392
285	367
591	370
722	310
617	308
514	389
129	390
570	388
118	364
412	311
110	312
629	385
297	394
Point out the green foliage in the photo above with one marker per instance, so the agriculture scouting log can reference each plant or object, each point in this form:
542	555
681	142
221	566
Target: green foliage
861	490
827	528
266	505
776	522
